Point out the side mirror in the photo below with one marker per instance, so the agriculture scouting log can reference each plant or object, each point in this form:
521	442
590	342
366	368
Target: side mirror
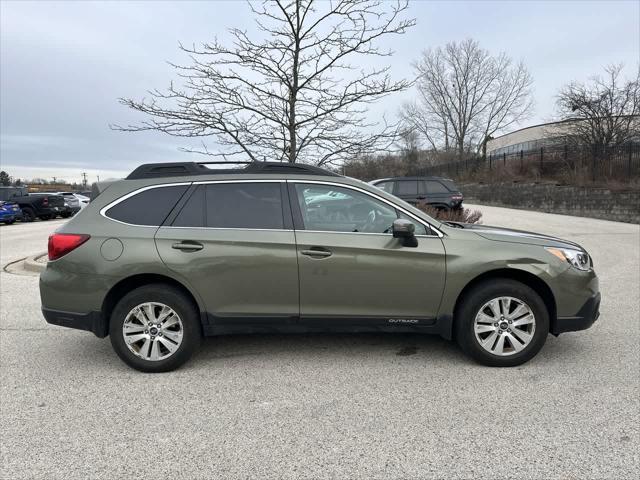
405	231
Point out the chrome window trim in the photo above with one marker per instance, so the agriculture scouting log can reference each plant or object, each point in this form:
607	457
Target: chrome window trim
269	180
438	233
103	210
232	228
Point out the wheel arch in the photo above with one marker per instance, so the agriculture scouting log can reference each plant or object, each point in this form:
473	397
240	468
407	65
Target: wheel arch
130	283
524	277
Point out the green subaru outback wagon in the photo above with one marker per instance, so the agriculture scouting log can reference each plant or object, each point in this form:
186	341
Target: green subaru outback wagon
178	251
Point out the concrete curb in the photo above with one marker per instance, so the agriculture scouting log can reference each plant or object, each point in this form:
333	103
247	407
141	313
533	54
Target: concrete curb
32	264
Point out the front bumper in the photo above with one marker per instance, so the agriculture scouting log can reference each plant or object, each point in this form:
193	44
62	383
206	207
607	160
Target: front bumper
583	319
91	322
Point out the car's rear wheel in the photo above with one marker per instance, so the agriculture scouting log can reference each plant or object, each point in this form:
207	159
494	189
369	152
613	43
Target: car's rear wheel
155	328
28	215
502	323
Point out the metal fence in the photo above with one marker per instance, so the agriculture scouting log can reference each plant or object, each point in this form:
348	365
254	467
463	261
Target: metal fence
588	163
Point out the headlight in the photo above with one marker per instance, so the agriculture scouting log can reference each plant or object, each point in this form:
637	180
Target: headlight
577	258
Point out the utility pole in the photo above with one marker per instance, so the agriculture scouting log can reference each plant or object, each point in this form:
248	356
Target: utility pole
84	180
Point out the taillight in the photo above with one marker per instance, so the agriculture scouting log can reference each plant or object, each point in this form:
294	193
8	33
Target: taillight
45	202
62	243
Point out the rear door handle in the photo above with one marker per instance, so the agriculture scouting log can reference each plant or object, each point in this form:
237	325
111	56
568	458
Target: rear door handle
318	252
188	246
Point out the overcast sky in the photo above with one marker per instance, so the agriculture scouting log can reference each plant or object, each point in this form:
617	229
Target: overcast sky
64	64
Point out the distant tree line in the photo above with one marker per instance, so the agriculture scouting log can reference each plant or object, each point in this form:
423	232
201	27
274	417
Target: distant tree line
57	184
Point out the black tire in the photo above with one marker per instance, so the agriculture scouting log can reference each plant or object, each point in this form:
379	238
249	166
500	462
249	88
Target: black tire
171	297
479	296
65	215
45	217
28	215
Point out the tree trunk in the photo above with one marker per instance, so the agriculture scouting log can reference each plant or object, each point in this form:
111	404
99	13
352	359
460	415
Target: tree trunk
293	94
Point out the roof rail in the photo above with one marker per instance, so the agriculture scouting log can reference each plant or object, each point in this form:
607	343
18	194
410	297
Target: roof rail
183	169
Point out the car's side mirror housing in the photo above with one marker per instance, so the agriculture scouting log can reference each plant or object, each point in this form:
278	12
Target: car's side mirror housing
405	231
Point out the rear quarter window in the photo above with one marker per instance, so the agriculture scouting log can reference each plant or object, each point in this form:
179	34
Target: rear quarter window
450	185
434	186
149	207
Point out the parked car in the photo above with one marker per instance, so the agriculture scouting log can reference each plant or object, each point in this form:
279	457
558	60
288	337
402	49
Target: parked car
34	205
9	212
72	204
84	200
438	192
177	251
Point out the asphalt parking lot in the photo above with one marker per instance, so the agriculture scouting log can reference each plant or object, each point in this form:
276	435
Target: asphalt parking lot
327	406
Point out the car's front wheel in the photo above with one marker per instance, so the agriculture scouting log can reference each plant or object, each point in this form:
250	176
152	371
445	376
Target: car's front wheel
155	328
502	323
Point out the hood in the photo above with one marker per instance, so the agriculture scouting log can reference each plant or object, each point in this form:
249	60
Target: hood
500	234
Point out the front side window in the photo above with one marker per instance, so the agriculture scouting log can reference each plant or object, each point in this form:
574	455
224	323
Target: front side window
149	207
244	205
337	209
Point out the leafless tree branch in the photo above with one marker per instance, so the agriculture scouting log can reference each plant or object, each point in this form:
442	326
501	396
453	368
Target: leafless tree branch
290	95
604	111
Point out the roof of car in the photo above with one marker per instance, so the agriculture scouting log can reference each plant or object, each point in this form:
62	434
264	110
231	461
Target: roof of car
187	169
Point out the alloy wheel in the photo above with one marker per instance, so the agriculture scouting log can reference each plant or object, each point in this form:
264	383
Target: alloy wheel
504	326
152	331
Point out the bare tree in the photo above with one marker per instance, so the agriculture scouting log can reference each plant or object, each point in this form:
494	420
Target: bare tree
5	179
603	112
291	95
466	95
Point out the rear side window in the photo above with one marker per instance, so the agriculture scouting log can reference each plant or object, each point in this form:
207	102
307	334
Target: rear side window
244	205
407	187
149	207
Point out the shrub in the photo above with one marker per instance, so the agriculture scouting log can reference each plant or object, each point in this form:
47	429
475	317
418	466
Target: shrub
462	215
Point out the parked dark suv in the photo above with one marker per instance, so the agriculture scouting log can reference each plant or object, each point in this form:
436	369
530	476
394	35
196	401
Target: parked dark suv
178	251
435	191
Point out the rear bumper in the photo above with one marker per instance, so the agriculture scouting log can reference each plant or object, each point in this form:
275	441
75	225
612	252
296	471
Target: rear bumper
585	317
91	322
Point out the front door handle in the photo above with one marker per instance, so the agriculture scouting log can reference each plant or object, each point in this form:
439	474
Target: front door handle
188	246
317	252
